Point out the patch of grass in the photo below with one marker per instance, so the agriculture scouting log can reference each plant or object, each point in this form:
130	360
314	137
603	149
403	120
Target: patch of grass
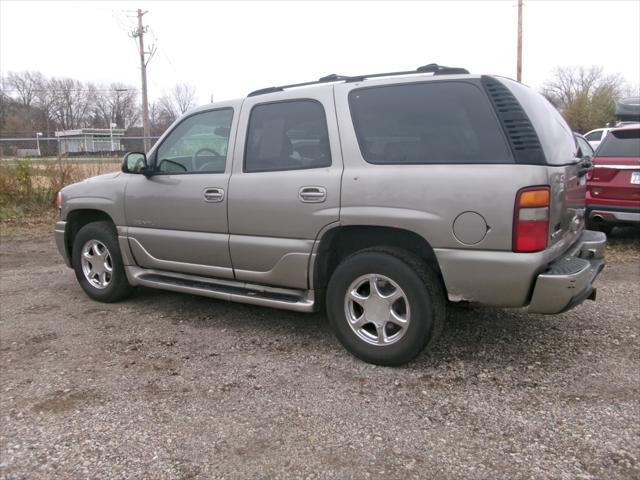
29	187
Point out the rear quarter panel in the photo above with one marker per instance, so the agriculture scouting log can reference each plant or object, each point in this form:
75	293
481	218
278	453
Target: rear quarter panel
427	200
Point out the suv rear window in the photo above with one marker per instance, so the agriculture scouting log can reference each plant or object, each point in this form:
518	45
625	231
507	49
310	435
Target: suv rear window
427	123
621	143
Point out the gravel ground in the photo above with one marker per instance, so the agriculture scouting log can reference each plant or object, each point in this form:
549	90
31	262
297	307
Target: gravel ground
174	386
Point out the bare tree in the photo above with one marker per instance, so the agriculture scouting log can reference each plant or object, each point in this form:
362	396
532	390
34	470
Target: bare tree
171	105
184	97
25	85
72	103
117	104
585	96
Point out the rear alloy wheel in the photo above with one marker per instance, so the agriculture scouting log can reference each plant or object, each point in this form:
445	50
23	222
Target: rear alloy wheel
385	305
98	264
377	309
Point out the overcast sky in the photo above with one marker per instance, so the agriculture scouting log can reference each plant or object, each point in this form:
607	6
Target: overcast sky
227	49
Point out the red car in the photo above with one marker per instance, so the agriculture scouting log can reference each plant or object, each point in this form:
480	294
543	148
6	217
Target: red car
613	186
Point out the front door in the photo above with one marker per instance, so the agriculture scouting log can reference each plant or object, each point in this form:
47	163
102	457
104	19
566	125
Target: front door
177	218
285	185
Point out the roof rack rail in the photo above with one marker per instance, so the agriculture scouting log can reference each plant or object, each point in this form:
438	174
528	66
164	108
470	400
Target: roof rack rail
430	68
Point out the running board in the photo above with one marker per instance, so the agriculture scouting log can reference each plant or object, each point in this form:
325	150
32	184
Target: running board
286	299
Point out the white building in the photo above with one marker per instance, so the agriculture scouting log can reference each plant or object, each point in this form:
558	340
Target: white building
90	140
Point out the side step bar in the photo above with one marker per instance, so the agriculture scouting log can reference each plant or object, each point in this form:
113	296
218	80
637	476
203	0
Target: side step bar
286	299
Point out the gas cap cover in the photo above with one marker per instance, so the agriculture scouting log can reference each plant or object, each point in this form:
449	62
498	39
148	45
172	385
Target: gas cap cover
470	228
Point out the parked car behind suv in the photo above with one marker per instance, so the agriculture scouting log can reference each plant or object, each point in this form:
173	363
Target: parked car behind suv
613	187
379	196
594	137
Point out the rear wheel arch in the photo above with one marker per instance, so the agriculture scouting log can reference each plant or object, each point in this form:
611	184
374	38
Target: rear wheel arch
343	241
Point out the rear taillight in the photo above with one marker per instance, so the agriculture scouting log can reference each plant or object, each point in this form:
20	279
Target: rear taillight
59	200
531	219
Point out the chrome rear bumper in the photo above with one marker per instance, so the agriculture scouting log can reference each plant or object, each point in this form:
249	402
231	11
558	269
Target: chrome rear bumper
568	280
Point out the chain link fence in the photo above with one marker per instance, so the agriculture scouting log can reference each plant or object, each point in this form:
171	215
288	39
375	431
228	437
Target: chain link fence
48	147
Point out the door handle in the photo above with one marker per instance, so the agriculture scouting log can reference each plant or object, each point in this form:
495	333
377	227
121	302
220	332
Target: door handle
312	194
213	195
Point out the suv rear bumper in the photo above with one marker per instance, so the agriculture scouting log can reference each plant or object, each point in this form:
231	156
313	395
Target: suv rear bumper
568	280
613	214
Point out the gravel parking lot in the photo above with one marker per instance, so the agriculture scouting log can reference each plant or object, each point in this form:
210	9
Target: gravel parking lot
166	385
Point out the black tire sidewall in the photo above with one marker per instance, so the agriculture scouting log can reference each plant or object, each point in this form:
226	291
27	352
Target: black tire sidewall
106	234
420	302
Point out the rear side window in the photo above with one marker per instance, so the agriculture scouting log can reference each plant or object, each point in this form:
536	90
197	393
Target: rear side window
554	133
594	136
290	135
621	143
427	123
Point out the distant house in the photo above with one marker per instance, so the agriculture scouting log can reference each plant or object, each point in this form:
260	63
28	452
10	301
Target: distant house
90	140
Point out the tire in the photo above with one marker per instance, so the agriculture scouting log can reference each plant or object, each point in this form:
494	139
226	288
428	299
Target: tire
420	304
606	228
101	275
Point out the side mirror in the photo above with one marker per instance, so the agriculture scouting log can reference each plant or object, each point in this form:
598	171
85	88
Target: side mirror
135	162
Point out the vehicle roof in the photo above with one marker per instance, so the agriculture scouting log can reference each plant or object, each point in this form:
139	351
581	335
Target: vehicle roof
378	79
631	126
422	72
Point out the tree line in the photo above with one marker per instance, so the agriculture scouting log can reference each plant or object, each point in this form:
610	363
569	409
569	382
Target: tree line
587	96
31	102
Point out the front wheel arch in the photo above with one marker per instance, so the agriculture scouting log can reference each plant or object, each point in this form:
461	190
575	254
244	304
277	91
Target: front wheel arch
76	219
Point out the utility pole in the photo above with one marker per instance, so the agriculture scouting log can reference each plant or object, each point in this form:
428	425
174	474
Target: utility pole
519	64
139	33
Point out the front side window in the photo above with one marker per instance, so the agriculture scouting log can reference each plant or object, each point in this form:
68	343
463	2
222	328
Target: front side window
427	123
290	135
197	145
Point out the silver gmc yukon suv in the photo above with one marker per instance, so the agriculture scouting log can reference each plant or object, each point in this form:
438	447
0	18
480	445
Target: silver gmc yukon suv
381	197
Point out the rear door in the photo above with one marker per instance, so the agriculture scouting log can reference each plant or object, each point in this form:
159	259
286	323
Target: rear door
285	185
615	179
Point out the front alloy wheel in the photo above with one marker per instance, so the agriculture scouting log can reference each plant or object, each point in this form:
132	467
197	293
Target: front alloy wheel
97	261
97	264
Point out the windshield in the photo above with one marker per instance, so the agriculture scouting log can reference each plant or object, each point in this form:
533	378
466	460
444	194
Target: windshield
621	143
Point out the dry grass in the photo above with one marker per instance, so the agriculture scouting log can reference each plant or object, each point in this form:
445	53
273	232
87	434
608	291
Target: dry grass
28	188
623	245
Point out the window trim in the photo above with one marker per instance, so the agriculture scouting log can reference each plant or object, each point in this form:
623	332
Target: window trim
484	96
183	119
289	100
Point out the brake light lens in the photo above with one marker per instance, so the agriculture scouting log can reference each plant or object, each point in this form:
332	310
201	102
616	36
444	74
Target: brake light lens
531	219
59	200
